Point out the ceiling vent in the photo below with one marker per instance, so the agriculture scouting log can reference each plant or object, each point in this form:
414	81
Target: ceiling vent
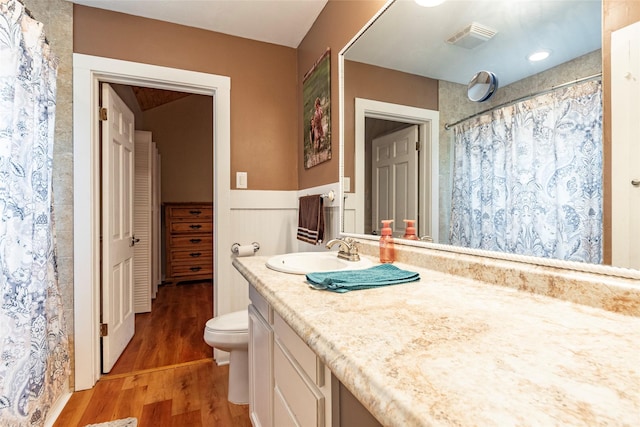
471	36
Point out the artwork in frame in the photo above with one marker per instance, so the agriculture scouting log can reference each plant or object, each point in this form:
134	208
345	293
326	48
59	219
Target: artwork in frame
316	99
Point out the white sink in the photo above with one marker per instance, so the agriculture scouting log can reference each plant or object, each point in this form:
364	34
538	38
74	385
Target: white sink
309	262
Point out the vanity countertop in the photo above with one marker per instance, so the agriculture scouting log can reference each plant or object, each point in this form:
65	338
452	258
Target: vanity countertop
454	351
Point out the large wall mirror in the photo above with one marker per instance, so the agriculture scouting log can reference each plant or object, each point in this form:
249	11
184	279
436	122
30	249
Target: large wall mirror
404	83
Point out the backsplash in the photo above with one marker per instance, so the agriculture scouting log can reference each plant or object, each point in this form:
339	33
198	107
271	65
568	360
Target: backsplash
616	294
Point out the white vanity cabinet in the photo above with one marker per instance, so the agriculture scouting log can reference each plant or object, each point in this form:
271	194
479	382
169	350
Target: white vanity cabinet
302	397
260	361
289	385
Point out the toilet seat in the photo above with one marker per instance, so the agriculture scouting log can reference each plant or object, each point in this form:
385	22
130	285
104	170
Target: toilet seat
229	331
238	321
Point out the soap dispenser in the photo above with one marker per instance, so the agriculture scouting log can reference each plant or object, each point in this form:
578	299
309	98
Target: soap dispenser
387	250
410	230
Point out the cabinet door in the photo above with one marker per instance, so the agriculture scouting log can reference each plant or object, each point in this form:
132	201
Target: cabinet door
301	401
260	370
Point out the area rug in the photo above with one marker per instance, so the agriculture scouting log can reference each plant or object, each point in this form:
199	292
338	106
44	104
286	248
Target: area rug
125	422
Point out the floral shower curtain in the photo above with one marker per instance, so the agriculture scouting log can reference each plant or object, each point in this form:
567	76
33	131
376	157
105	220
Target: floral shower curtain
34	361
528	177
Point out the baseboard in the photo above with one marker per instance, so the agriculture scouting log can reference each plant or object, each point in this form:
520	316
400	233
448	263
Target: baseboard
58	406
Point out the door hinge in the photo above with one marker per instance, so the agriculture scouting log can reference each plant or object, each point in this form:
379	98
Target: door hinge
417	145
103	114
104	330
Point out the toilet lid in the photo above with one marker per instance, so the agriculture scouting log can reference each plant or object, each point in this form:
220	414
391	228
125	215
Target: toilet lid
238	321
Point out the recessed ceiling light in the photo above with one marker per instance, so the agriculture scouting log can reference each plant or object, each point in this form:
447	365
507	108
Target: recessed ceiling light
429	3
539	55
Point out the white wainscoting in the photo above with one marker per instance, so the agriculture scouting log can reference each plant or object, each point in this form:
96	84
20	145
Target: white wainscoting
271	219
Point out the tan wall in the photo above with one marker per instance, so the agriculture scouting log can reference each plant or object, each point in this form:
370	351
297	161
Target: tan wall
616	14
263	83
338	23
183	131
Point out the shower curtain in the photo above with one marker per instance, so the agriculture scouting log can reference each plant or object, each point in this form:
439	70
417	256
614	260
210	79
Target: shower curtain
34	360
527	178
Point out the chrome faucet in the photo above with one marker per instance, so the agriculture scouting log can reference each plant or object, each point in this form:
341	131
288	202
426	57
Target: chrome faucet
347	250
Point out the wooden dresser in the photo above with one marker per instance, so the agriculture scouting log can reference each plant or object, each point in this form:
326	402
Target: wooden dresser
189	241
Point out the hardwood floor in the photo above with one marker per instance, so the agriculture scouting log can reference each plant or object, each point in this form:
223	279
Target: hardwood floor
166	376
172	332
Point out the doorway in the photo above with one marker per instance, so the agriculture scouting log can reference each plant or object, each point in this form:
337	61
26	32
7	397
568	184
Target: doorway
428	123
173	155
87	72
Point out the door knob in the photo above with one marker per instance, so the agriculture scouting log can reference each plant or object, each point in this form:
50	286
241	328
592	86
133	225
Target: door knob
134	240
635	182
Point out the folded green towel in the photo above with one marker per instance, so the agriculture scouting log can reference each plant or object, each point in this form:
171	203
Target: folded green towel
348	280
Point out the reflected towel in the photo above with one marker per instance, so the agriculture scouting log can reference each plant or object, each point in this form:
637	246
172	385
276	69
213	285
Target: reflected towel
311	219
349	280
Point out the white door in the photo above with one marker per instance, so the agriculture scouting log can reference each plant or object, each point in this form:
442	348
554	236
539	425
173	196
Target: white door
625	152
117	227
394	174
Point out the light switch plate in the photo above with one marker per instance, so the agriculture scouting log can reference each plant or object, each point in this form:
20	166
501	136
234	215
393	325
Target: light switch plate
241	180
346	184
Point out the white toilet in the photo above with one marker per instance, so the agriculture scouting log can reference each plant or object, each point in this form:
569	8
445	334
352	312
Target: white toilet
230	332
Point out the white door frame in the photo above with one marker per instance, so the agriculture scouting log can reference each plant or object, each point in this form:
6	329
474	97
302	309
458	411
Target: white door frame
87	72
428	160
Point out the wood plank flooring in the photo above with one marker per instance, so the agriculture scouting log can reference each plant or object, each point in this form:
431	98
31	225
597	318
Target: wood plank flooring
166	376
172	332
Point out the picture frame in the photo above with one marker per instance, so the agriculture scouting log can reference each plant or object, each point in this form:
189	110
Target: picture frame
316	96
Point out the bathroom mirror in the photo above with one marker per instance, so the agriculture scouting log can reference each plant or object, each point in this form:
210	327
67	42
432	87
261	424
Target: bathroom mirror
434	51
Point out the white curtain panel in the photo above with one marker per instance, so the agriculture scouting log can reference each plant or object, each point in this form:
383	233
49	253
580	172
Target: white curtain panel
34	360
528	177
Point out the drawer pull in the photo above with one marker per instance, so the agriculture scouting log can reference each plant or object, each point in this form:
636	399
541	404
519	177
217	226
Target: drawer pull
195	240
195	226
195	268
195	254
195	212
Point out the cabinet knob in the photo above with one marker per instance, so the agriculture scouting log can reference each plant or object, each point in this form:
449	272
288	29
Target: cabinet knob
195	226
195	254
195	268
195	240
195	212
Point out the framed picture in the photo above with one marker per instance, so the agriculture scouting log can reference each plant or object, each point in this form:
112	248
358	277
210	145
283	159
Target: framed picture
316	100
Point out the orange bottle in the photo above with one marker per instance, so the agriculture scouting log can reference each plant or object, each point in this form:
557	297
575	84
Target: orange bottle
387	249
410	230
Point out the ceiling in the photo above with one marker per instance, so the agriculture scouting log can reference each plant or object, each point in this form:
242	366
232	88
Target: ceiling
281	22
412	39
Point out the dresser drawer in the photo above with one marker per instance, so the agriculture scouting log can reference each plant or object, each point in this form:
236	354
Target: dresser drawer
191	256
191	241
192	269
190	212
191	227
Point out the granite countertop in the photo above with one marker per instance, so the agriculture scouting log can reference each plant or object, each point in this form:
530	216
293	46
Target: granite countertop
454	351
